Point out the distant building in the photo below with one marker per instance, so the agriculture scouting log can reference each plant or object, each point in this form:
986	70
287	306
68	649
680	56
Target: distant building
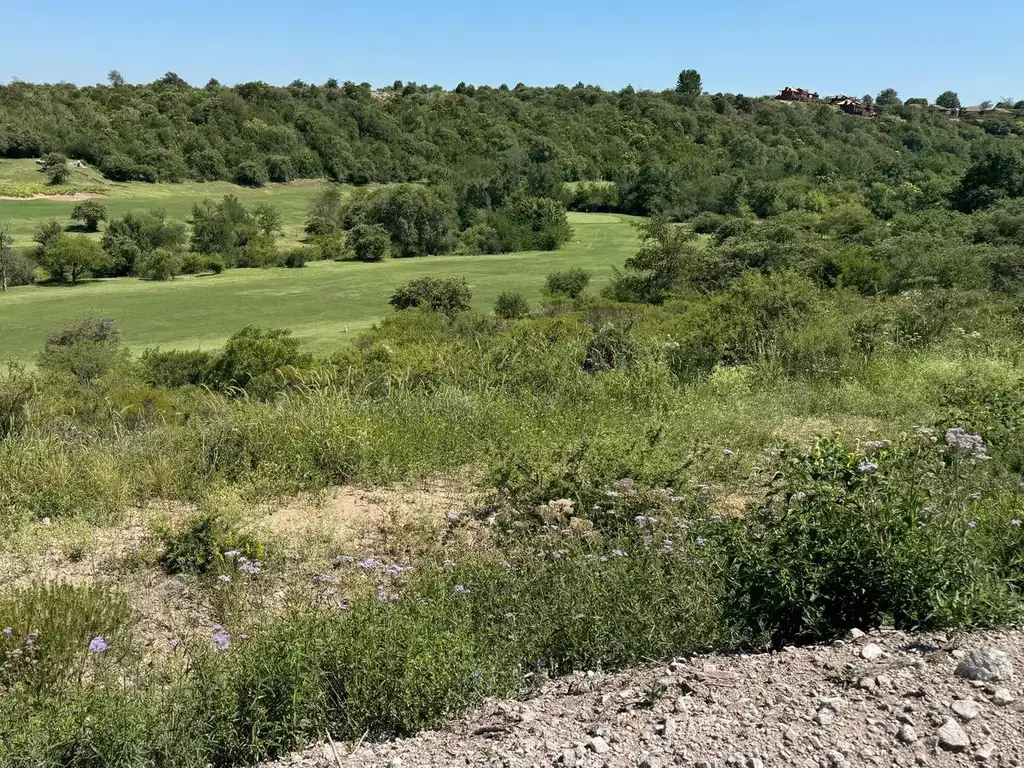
852	106
797	94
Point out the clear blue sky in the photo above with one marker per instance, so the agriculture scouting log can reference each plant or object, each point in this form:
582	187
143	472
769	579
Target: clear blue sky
920	47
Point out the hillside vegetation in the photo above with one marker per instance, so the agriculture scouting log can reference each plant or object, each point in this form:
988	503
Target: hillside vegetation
793	408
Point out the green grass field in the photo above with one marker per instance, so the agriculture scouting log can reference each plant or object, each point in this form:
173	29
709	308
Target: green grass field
24	215
317	302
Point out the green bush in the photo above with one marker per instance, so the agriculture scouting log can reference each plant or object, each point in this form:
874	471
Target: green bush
85	350
511	305
369	242
207	545
177	368
160	264
858	538
442	294
569	282
259	362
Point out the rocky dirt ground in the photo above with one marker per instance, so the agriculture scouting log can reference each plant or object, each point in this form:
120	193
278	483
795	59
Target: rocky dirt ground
882	699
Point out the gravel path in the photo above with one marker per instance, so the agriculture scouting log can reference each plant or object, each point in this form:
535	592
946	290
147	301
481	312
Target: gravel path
884	699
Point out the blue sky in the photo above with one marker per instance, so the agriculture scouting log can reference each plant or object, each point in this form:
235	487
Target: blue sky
920	47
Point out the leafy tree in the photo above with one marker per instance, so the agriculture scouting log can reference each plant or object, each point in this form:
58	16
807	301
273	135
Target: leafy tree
416	218
133	236
229	228
999	174
91	213
279	169
689	83
267	218
888	98
55	166
532	224
86	350
667	257
369	242
115	79
258	361
449	295
46	234
70	258
250	173
160	264
569	282
6	256
948	99
324	217
511	305
986	104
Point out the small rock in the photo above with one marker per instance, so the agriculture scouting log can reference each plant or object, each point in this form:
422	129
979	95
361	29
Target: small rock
825	717
598	745
1002	697
985	664
907	734
567	759
884	681
754	762
395	762
856	634
952	737
958	653
985	751
791	736
867	683
965	709
871	651
649	762
835	703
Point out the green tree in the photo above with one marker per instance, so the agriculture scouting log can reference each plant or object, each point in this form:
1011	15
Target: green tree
160	264
134	235
667	257
888	99
250	173
570	282
369	242
91	213
115	79
948	99
417	219
999	174
55	166
46	234
689	83
986	104
324	217
449	295
511	305
70	258
6	256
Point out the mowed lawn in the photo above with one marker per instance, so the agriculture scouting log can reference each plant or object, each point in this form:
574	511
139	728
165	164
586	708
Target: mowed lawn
317	302
176	200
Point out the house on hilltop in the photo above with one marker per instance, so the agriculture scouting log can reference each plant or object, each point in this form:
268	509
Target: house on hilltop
797	94
852	106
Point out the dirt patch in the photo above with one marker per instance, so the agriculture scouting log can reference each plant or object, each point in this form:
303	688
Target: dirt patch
72	198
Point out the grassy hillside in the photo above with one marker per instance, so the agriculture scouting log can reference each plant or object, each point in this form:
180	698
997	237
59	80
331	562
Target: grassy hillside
317	302
22	177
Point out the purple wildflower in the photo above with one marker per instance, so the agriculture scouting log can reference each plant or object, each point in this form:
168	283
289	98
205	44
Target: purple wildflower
477	674
174	643
448	563
976	496
611	494
959	439
8	631
98	644
676	499
385	596
619	553
30	639
461	589
232	553
728	452
224	578
558	554
508	566
323	578
395	570
369	563
701	541
251	567
221	638
451	517
972	524
1012	522
641	519
344	559
867	466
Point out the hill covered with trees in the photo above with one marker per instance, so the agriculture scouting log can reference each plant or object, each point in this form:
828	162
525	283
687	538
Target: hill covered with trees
678	152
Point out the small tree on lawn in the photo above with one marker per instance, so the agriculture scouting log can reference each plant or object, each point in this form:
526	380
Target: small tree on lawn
55	166
569	282
69	258
369	242
91	213
511	305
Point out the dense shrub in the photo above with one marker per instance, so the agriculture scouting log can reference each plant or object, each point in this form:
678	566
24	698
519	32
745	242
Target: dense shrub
417	219
569	282
511	305
448	295
85	350
174	368
259	362
369	242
